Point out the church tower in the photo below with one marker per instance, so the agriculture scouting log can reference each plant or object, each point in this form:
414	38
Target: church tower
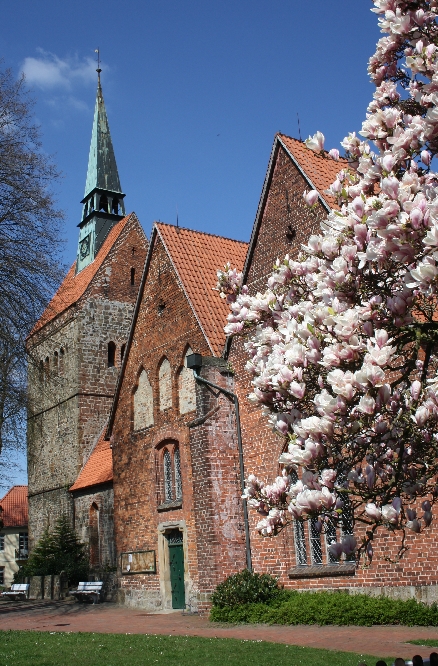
103	203
75	351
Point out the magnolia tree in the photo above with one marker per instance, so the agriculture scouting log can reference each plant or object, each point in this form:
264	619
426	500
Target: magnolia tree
342	344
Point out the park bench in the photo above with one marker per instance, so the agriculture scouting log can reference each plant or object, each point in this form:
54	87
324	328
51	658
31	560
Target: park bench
86	591
17	591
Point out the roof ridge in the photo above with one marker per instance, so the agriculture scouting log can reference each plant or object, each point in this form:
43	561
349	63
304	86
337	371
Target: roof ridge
202	233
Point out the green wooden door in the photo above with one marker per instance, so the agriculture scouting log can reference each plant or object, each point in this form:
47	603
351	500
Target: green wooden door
176	561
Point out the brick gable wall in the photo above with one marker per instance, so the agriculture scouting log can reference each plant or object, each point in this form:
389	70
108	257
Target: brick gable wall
208	515
416	572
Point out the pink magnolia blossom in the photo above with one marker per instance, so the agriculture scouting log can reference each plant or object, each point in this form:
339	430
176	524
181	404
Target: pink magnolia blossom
311	197
316	142
336	343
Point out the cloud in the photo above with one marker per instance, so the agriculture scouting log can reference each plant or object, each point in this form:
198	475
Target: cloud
49	72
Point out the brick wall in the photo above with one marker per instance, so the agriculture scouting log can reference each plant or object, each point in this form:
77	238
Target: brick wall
209	514
416	572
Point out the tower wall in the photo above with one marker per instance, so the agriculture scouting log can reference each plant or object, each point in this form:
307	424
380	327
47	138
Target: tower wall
70	401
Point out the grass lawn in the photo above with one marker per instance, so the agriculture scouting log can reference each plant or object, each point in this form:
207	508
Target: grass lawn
40	648
428	642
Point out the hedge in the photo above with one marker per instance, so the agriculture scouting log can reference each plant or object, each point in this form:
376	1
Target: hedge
339	608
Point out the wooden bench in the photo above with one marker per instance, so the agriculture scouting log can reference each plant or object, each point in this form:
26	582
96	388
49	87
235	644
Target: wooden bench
86	591
17	591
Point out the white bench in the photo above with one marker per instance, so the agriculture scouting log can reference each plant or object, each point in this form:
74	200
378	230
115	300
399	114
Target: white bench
17	591
86	591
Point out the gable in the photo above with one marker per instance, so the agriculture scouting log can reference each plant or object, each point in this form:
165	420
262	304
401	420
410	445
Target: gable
284	221
74	286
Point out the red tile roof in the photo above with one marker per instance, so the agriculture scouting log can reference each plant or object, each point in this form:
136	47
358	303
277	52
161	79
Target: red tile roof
321	170
99	466
14	505
196	257
74	286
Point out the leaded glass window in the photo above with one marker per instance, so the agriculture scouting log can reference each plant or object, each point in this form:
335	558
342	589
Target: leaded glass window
299	535
315	541
177	465
330	537
174	537
168	491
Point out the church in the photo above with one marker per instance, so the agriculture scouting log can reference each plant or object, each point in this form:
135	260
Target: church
140	428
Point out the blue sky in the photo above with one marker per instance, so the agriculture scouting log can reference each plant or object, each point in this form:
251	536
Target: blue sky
195	92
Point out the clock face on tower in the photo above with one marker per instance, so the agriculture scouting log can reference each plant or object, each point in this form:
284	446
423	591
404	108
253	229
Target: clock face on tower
84	247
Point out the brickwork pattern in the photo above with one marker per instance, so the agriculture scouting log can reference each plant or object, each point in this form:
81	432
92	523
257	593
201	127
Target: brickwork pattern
103	498
284	207
210	509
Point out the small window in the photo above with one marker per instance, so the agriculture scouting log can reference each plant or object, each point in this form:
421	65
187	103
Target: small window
23	542
169	478
122	352
2	541
168	494
111	354
2	575
55	363
132	276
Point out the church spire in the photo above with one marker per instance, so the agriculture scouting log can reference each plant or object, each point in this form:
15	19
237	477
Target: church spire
103	199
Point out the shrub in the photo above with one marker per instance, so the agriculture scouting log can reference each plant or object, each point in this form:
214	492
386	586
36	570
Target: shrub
245	587
339	608
57	552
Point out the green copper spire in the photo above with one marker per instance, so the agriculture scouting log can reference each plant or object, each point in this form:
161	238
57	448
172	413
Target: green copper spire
103	204
102	168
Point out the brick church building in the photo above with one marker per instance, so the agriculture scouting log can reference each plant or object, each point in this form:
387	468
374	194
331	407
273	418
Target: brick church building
122	437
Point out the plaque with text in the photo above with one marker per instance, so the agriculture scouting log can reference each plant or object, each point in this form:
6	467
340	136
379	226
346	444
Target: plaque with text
140	561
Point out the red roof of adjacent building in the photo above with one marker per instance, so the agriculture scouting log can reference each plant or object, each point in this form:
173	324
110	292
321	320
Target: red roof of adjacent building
74	285
320	169
15	507
196	257
98	468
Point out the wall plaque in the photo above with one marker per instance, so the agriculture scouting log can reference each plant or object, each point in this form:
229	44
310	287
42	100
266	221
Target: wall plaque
140	561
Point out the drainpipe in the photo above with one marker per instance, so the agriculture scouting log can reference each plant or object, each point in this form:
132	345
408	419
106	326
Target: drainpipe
194	362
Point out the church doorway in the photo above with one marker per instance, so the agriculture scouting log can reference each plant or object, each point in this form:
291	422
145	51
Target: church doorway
176	565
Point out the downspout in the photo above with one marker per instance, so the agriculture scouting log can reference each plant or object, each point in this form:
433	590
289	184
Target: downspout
235	400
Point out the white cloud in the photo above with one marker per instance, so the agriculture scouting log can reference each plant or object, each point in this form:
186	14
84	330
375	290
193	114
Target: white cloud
48	71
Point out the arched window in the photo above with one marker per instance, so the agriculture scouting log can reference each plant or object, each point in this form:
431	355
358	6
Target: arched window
186	387
143	403
168	475
111	354
103	203
168	490
47	368
41	372
177	468
55	363
132	276
165	385
115	206
94	535
122	352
